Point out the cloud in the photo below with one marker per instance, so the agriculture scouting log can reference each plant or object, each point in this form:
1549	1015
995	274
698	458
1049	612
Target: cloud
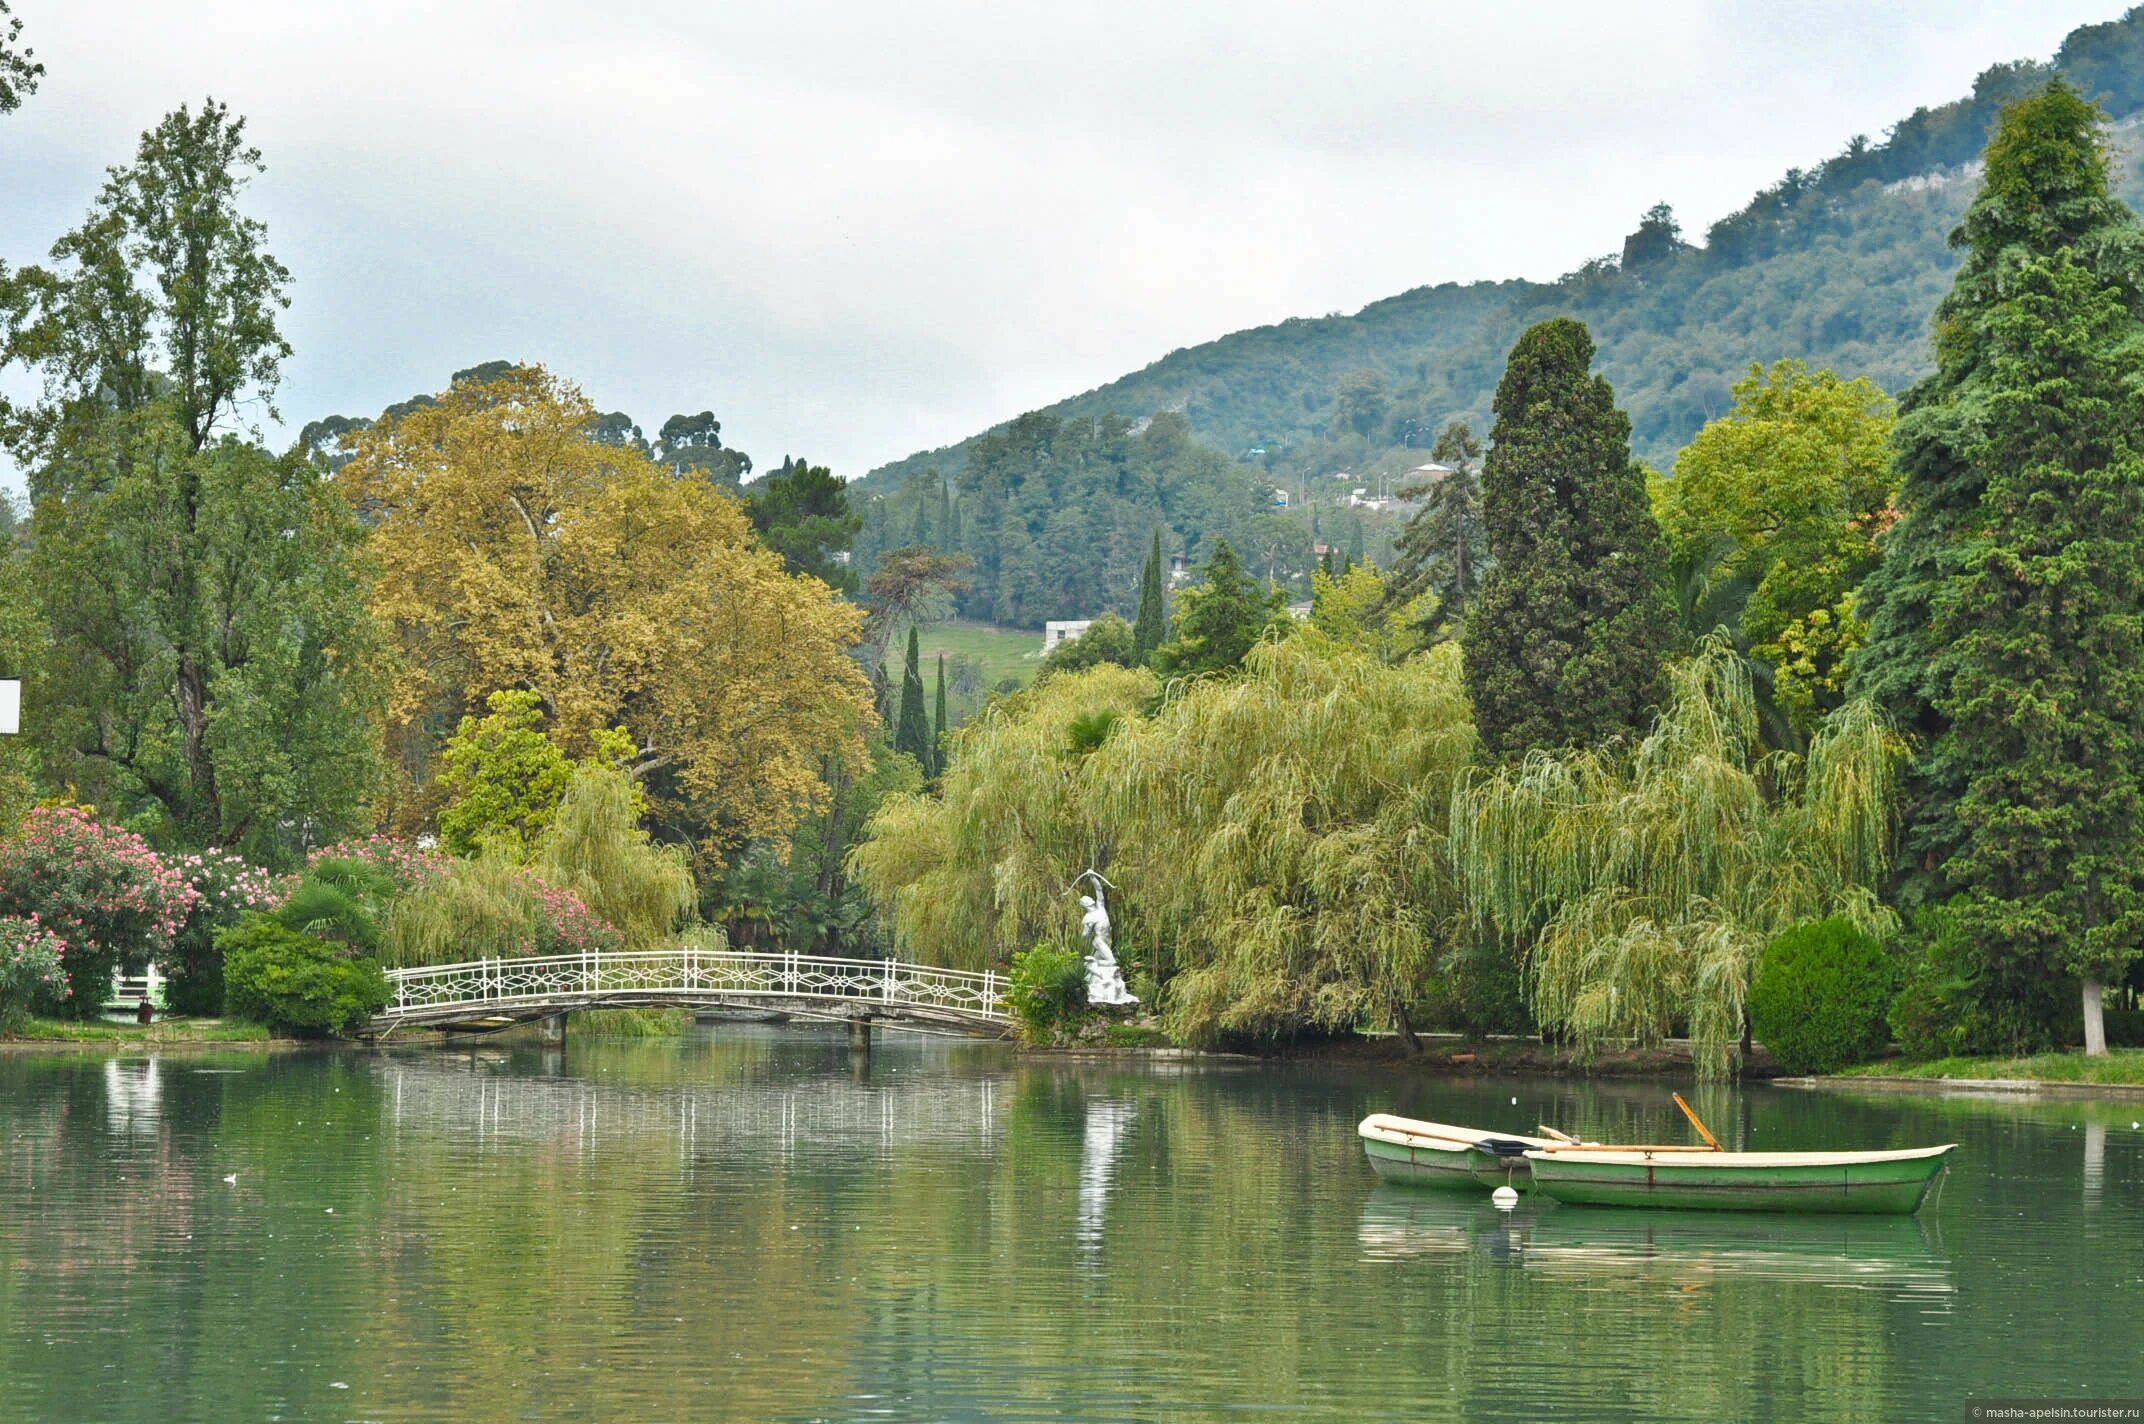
855	230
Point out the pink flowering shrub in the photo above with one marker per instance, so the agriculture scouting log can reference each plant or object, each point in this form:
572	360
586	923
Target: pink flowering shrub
226	886
31	968
565	925
408	866
109	897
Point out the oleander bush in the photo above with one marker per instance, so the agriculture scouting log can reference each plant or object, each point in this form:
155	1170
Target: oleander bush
111	899
32	969
1820	994
226	886
296	983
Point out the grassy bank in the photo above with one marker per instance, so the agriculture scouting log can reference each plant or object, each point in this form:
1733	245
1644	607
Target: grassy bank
162	1032
2123	1066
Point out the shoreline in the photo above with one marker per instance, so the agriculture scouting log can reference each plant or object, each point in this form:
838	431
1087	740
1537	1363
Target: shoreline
1964	1087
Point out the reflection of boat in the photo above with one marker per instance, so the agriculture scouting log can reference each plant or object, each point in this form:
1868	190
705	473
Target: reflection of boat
1440	1155
1398	1224
1738	1181
1881	1253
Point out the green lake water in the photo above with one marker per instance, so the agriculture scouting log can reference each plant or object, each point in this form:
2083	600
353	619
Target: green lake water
743	1224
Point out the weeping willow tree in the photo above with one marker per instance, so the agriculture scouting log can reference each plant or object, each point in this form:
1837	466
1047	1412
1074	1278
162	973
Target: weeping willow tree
982	870
1642	884
1277	836
595	847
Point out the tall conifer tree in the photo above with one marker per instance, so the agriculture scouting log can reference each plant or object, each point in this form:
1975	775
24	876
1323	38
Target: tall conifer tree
2005	617
938	741
1566	644
1444	548
1152	625
912	728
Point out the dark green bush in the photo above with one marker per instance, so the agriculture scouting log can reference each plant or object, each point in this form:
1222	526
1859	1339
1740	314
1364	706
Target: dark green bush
1049	990
1954	998
297	983
1819	997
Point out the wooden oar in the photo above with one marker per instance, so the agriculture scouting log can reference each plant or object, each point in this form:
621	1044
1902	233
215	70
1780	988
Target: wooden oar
1702	1130
1547	1131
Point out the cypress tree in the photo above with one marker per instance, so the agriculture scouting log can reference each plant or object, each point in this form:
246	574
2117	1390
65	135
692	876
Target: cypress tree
1354	546
2005	616
1152	625
912	729
1566	643
945	515
938	741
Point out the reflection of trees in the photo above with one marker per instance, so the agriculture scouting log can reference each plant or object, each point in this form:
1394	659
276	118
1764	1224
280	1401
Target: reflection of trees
726	1226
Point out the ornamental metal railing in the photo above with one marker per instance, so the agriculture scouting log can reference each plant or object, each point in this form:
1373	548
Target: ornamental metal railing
887	986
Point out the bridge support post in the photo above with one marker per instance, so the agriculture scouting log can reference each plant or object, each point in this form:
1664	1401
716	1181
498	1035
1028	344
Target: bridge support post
860	1034
554	1031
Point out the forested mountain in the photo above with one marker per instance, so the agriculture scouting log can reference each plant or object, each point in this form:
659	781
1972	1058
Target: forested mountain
1839	264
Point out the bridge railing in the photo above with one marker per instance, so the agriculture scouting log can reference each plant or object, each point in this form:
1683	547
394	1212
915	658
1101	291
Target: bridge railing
691	972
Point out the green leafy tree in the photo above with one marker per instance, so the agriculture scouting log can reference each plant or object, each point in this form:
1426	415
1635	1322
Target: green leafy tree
1566	646
1108	639
1219	619
1658	238
213	668
912	727
688	443
1445	547
23	650
504	776
19	69
802	513
1779	502
1360	403
2020	524
1152	624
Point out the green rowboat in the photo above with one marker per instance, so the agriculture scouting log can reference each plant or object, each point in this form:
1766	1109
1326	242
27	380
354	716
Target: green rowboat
1436	1154
1886	1182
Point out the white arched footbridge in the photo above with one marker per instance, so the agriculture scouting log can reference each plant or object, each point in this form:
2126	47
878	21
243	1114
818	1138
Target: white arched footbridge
493	993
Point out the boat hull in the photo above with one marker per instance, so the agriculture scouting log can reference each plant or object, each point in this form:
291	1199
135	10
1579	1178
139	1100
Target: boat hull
1458	1166
1433	1154
1893	1183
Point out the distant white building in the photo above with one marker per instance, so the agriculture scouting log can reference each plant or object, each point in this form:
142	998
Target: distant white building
1058	630
1280	497
1427	474
1179	570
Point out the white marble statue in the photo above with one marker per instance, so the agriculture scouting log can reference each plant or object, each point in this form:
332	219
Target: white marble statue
1105	982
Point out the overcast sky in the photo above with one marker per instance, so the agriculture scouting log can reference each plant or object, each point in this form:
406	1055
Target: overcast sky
858	229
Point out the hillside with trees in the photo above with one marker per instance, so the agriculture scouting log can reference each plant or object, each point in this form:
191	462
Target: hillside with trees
1838	264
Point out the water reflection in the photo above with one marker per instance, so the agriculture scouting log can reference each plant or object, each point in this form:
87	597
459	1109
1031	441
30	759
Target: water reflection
1688	1249
133	1095
727	1225
1109	1122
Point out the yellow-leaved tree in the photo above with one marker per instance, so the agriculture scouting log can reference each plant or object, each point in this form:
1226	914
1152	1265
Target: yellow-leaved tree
517	552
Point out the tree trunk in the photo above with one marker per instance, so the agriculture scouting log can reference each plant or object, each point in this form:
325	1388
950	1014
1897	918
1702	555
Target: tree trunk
2095	1027
1405	1029
203	809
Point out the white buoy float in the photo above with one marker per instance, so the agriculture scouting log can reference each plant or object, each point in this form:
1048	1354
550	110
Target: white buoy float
1505	1198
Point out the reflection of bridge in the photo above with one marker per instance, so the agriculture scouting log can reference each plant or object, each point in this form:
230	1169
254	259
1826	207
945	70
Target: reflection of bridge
493	993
